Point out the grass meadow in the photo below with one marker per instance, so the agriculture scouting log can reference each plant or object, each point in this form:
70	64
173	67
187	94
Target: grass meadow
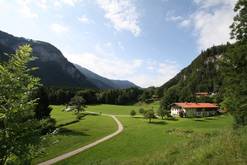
74	135
141	139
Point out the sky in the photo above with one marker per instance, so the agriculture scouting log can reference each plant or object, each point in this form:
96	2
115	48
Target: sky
144	41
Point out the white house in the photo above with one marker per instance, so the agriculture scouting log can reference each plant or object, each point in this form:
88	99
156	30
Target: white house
193	109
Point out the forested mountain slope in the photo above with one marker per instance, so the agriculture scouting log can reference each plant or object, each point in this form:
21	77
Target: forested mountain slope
202	75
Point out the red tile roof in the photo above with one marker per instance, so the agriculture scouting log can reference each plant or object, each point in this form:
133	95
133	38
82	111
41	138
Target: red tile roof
202	93
196	105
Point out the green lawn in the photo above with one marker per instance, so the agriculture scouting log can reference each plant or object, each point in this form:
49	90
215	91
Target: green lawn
141	139
120	110
74	135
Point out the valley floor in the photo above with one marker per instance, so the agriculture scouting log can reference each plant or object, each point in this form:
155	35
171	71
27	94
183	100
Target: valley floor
159	142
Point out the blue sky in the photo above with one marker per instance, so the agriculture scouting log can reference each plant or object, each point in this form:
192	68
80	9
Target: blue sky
144	41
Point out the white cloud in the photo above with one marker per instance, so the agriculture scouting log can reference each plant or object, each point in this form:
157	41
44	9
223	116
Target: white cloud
173	18
58	28
143	72
212	20
84	19
122	14
185	23
212	3
213	28
60	3
25	9
42	4
181	21
70	2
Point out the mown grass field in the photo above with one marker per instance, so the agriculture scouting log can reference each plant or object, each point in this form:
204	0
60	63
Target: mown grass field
74	135
120	110
141	139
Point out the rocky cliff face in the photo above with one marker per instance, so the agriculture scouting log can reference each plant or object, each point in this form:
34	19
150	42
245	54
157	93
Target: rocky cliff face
54	68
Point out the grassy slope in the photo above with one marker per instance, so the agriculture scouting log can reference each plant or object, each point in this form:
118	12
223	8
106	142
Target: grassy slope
141	139
75	135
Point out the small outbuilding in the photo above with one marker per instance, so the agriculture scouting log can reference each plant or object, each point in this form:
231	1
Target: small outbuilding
185	109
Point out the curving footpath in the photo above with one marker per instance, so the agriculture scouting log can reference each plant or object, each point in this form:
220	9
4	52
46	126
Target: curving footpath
72	153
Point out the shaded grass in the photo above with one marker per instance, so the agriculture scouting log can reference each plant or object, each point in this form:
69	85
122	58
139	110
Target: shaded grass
75	135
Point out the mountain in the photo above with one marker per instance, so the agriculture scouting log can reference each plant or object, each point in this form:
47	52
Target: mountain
53	68
104	83
202	75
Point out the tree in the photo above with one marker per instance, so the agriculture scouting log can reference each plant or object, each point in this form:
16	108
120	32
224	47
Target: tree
239	26
170	96
42	109
234	68
162	111
141	111
149	114
132	113
79	103
19	130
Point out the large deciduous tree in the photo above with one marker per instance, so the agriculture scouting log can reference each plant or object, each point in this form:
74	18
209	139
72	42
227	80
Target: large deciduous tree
79	103
239	26
19	130
234	67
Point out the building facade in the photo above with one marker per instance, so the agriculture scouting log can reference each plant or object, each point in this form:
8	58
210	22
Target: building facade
193	109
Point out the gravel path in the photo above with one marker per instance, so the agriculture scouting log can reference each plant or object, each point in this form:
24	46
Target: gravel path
72	153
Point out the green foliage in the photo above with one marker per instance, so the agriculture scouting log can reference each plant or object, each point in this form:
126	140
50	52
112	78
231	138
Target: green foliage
163	111
42	109
79	103
234	69
202	75
132	113
19	129
239	26
149	114
141	111
58	96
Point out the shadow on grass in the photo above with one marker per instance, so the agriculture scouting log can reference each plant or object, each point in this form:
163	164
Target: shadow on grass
68	132
171	119
200	120
138	117
210	118
158	122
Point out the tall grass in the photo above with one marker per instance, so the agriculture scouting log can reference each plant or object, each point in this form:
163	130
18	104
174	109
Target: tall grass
226	147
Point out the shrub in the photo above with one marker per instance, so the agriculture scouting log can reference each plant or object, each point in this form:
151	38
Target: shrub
132	112
141	111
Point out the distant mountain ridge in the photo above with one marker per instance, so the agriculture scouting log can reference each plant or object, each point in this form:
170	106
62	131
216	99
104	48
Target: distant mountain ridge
54	68
104	83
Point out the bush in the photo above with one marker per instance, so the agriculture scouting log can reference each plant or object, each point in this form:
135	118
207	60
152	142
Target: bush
47	125
133	113
141	111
